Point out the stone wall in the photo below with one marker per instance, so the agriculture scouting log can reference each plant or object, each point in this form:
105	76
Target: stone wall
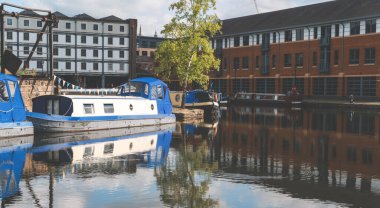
33	87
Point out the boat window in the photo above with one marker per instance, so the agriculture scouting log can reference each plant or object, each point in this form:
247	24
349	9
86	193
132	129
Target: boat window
108	108
108	148
12	88
134	89
88	152
89	108
4	97
154	92
52	107
159	92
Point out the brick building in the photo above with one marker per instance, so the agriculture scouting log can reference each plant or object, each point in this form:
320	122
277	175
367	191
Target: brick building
327	49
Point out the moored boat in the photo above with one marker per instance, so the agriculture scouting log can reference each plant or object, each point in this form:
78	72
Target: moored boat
12	109
198	99
140	102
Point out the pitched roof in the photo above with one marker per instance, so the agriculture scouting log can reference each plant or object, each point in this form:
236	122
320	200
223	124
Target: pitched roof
327	12
60	15
111	18
29	13
83	16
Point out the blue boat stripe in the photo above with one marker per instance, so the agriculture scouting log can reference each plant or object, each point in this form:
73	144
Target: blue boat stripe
95	118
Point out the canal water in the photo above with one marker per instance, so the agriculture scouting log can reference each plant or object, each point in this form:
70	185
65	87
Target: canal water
252	157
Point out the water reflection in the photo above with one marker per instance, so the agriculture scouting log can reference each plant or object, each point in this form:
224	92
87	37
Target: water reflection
54	158
310	154
12	161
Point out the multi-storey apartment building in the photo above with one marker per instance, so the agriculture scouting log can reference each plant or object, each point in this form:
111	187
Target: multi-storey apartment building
88	51
325	49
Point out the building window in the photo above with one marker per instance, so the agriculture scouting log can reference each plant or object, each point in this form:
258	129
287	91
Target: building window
225	64
274	37
121	66
83	39
122	41
55	64
121	28
288	36
26	36
83	52
245	62
144	53
110	67
9	35
236	41
361	86
274	61
55	51
83	26
68	65
337	27
26	50
355	28
257	64
287	60
110	41
68	38
9	21
299	59
39	23
68	51
258	39
370	26
226	43
300	34
108	108
336	57
236	63
83	66
354	56
26	23
68	25
315	58
95	27
95	53
121	54
39	51
315	32
95	40
370	55
39	65
245	40
110	54
96	66
110	28
55	38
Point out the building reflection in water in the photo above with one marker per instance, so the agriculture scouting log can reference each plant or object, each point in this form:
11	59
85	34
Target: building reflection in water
326	155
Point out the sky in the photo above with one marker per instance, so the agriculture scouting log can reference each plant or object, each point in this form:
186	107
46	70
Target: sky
153	14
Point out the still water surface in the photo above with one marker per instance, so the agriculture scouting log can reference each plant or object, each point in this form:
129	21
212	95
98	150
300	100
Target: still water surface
253	157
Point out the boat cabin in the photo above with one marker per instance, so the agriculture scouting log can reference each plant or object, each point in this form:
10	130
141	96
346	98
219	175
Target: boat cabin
12	108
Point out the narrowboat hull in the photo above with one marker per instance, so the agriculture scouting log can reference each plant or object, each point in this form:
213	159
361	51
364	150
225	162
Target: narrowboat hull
54	124
16	129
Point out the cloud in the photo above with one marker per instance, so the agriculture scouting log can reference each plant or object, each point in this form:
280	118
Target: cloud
153	14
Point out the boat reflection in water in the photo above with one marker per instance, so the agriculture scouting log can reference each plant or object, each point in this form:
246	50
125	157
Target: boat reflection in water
149	145
12	160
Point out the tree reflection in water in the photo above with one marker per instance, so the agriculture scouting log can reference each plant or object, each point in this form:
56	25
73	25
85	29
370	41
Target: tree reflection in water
184	180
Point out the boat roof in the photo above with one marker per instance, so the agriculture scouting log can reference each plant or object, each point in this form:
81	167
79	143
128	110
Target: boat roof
149	80
95	97
8	77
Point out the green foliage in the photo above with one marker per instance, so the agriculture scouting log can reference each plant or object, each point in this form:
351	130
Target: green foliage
187	54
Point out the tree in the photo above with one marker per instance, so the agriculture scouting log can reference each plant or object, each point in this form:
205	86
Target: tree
187	53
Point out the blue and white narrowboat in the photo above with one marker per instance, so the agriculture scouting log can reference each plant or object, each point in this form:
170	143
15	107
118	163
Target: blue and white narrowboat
140	102
12	109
